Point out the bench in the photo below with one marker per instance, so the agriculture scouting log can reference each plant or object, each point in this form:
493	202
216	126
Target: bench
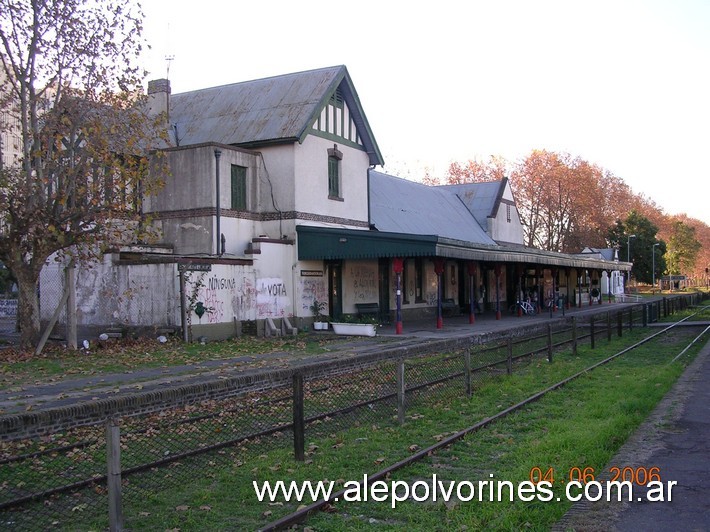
368	309
449	307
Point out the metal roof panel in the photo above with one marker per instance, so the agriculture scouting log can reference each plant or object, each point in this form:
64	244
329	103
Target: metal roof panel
402	206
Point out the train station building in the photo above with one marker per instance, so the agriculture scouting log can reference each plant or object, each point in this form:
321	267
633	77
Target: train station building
274	201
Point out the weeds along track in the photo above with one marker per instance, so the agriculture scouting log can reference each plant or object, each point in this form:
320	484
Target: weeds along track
302	514
44	480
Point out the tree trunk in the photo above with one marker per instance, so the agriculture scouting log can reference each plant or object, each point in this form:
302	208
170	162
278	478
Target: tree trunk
27	309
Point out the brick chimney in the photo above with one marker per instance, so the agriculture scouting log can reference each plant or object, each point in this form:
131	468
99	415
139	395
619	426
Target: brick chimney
159	97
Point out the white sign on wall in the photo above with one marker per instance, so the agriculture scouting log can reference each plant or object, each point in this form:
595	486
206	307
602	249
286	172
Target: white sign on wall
272	298
8	308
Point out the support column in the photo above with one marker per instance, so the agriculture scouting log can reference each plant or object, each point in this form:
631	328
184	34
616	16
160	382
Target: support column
398	267
553	273
498	268
472	267
519	295
439	269
540	283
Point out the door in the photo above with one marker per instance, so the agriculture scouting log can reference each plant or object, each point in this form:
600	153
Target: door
384	289
335	289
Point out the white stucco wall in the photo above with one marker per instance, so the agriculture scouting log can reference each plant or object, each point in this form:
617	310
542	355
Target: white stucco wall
274	280
360	284
501	229
311	166
228	292
311	283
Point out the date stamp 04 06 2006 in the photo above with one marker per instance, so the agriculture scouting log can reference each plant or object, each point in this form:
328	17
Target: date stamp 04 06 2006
636	475
622	480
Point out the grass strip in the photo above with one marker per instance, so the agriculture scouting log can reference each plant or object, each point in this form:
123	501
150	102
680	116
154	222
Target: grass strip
580	426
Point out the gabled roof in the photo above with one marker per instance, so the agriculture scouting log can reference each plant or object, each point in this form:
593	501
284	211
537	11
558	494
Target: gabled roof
481	199
279	109
609	254
401	206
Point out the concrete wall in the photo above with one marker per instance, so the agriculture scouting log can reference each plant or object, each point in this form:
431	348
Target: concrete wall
186	205
274	280
311	283
360	284
113	296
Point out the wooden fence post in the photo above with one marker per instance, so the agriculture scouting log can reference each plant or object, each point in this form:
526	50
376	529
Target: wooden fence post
113	479
619	323
299	429
467	371
509	361
608	326
591	330
574	335
401	411
72	342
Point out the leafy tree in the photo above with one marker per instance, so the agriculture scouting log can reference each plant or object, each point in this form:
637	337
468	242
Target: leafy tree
73	89
559	199
476	171
683	249
635	238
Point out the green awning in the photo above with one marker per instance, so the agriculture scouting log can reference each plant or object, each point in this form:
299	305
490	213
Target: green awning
329	243
332	243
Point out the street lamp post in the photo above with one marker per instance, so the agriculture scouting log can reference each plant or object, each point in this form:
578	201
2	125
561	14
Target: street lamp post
653	267
628	255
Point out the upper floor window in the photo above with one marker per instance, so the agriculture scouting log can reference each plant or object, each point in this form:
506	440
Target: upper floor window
239	188
335	157
507	212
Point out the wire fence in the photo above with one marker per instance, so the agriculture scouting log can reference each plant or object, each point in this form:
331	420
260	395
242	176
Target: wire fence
95	476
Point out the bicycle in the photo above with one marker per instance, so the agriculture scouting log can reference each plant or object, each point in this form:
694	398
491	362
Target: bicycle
525	307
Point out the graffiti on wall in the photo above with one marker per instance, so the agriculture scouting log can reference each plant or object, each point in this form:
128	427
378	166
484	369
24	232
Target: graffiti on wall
363	281
312	288
243	299
216	291
272	299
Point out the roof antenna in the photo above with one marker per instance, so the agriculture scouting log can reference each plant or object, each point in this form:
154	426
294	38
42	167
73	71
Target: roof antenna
168	57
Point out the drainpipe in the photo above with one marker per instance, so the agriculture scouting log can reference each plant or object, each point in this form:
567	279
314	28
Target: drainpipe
369	218
217	155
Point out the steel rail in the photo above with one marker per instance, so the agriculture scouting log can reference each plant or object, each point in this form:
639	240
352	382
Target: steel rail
300	515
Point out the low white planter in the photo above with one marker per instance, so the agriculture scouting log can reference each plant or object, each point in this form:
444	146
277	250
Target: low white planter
355	329
320	325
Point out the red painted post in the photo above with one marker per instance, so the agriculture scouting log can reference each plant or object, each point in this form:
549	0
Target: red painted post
398	267
439	269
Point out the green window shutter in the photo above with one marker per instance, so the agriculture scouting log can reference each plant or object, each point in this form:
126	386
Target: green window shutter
239	188
333	177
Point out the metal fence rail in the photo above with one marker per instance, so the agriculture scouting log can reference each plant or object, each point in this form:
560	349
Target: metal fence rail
63	479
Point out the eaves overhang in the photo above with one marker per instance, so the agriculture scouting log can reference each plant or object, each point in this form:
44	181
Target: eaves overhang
329	243
332	243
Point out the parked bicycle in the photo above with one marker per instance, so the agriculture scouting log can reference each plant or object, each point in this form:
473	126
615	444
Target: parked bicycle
524	306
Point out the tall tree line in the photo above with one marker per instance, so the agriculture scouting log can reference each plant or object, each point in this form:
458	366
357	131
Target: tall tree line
567	204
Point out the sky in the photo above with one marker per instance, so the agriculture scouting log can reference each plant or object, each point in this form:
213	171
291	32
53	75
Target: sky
623	84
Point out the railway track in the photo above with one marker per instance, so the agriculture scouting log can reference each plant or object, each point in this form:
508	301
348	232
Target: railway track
494	360
303	513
